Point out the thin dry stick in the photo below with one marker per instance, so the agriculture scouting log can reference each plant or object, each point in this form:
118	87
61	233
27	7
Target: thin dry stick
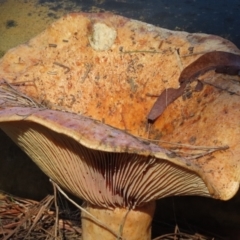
166	97
122	224
176	231
63	66
20	223
194	156
88	67
46	204
143	51
207	149
49	234
57	211
149	125
179	62
14	92
1	228
193	54
179	235
194	147
82	209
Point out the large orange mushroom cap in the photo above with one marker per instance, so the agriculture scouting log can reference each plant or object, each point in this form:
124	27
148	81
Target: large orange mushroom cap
66	66
112	69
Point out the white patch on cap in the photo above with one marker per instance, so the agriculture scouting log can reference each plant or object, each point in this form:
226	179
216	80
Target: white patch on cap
102	37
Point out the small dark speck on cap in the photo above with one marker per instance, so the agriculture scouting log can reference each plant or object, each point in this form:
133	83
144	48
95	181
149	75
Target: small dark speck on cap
145	142
10	23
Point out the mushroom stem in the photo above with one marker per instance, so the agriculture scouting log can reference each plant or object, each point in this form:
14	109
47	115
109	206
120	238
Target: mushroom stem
128	224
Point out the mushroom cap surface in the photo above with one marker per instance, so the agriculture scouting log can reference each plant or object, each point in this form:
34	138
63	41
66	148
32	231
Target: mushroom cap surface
115	80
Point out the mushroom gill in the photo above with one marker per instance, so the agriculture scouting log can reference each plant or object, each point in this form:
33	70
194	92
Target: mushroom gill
109	168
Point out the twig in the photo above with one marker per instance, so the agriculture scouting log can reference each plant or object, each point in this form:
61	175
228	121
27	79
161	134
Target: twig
88	70
176	231
63	66
178	59
143	51
205	149
57	210
152	95
12	95
194	156
122	224
83	210
40	212
48	233
53	45
183	145
167	236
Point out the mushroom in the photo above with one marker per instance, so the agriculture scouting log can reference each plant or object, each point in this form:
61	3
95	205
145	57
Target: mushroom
77	103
